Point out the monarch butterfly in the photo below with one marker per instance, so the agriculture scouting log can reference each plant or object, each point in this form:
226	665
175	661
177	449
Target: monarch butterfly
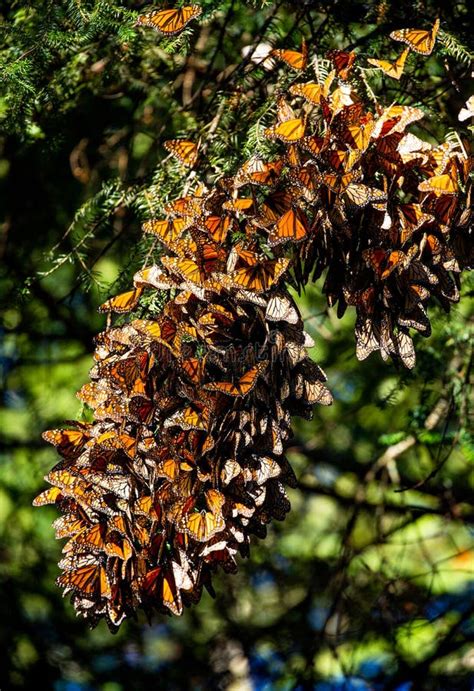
260	172
168	231
366	337
153	276
185	151
440	185
274	205
107	483
385	261
162	585
243	386
395	119
266	468
343	62
118	547
261	276
343	160
192	417
130	372
444	208
358	136
414	294
433	245
312	91
306	180
171	21
68	525
412	148
188	269
361	195
288	131
48	496
216	320
125	302
411	218
280	308
93	393
193	368
341	98
185	206
230	470
314	144
244	204
113	408
293	225
112	440
338	183
168	468
418	40
293	58
89	580
312	392
203	525
70	442
161	331
92	536
243	255
392	69
218	227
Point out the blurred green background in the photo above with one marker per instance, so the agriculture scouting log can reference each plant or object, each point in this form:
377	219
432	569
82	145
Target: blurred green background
363	586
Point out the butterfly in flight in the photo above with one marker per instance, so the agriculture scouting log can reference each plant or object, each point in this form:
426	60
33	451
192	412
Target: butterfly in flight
418	40
293	58
392	69
170	21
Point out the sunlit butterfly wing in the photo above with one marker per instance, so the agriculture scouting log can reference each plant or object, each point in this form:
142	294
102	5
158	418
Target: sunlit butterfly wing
182	149
391	69
288	131
170	21
361	195
296	60
69	442
418	40
260	277
293	225
48	496
168	230
440	185
125	302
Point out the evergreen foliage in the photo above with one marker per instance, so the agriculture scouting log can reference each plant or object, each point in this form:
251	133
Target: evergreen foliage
368	582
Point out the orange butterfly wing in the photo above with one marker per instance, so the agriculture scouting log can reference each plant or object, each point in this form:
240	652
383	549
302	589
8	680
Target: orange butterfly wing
185	151
296	60
243	386
392	69
168	231
170	21
261	276
418	40
288	131
125	302
293	225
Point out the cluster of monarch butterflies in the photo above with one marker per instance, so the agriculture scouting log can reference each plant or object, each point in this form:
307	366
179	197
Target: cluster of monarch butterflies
184	460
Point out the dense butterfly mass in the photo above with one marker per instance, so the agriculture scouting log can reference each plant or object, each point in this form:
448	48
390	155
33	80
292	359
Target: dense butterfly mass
192	404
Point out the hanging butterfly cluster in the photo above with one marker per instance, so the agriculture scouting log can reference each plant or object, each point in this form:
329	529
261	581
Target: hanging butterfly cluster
184	460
